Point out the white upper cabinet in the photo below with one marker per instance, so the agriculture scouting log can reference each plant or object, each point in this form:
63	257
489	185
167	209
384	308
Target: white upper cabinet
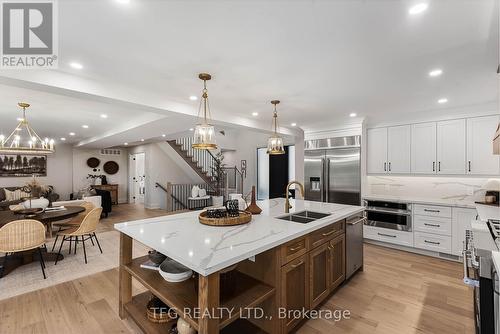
423	148
480	158
377	150
451	147
398	149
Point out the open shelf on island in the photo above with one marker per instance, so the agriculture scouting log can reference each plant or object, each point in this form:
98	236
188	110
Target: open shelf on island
137	310
182	296
242	326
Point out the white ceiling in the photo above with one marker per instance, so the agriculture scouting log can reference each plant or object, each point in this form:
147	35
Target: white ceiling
323	59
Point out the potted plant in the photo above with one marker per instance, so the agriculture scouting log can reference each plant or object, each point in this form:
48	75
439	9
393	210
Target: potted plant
36	191
218	176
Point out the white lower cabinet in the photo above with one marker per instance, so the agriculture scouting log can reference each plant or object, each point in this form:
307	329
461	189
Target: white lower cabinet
432	242
462	219
387	235
434	225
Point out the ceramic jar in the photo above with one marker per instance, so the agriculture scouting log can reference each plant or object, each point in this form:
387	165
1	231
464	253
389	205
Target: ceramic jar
183	327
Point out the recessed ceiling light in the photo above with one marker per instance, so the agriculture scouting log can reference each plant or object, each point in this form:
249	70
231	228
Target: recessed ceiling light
85	126
125	144
76	66
163	135
255	114
435	73
71	133
294	124
104	116
191	129
142	139
193	98
418	8
443	100
63	139
353	114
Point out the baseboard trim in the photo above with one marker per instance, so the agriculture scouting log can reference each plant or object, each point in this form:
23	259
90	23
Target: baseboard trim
438	255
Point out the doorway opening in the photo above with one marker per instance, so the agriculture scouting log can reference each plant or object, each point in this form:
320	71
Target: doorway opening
137	178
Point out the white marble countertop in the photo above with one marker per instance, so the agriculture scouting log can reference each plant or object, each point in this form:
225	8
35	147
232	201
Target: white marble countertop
486	212
425	201
208	249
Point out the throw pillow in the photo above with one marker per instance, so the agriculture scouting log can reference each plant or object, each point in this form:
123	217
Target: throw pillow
202	192
15	195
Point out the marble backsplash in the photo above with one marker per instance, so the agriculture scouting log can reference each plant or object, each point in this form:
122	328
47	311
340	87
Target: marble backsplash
466	190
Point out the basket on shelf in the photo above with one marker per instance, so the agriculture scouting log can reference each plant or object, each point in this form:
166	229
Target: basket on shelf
158	312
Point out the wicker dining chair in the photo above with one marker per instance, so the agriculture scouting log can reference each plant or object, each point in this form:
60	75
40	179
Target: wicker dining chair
86	231
73	222
22	235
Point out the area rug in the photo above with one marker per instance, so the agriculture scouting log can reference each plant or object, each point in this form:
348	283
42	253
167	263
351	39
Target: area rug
29	277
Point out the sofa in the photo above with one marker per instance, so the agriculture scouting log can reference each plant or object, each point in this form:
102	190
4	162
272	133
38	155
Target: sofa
105	200
4	204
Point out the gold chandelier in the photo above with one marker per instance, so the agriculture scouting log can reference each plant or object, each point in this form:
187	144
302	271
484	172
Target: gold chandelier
204	132
25	140
275	142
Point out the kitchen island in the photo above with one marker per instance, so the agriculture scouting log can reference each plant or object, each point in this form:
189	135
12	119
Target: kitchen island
280	264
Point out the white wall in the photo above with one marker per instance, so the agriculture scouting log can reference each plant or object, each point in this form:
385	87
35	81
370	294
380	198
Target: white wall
81	170
59	172
163	165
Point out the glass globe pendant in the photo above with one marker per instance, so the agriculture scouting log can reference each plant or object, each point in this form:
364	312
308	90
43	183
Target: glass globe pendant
275	142
204	132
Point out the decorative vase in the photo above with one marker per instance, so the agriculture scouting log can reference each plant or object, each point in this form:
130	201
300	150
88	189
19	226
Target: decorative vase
217	201
183	327
241	202
253	207
98	181
36	203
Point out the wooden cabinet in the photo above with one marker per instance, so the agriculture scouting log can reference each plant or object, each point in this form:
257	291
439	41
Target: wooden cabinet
319	283
312	267
480	158
451	147
295	288
336	249
423	148
113	190
398	149
461	221
377	151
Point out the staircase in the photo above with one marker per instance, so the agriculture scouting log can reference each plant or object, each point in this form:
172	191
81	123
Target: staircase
201	161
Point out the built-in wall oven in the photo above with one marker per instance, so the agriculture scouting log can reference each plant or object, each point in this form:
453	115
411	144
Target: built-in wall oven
390	215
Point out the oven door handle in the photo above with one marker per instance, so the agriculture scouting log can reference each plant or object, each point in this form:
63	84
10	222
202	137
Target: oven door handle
399	213
466	253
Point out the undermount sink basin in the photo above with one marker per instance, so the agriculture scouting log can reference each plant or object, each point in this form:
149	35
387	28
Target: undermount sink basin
311	214
304	217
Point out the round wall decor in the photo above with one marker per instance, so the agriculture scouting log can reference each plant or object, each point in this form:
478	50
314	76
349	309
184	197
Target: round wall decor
93	162
111	167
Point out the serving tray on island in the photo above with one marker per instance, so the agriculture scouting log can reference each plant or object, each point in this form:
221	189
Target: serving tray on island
245	217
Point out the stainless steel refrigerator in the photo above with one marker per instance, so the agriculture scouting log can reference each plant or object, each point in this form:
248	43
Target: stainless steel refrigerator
332	170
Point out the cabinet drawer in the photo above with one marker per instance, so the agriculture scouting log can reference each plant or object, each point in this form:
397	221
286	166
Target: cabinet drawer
432	210
326	233
433	242
387	235
436	225
293	249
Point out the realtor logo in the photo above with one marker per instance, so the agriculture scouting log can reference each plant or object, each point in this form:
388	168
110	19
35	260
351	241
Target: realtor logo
29	37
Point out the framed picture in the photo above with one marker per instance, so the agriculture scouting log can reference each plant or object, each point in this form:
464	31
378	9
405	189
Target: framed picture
22	165
244	168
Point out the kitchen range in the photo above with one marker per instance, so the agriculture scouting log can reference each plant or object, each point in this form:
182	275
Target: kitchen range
481	264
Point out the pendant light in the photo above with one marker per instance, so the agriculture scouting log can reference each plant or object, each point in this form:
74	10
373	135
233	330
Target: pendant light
204	132
24	139
275	142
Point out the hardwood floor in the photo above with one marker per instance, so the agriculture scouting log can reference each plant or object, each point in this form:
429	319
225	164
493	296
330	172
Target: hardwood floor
398	293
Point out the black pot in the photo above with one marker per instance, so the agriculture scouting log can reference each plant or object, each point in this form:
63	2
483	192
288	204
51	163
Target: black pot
156	257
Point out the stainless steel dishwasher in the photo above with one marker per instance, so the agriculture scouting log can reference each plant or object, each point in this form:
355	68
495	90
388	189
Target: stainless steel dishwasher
354	244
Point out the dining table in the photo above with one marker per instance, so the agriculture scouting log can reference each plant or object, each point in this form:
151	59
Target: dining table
47	218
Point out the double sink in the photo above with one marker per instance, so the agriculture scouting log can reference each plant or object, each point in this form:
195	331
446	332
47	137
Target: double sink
304	217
